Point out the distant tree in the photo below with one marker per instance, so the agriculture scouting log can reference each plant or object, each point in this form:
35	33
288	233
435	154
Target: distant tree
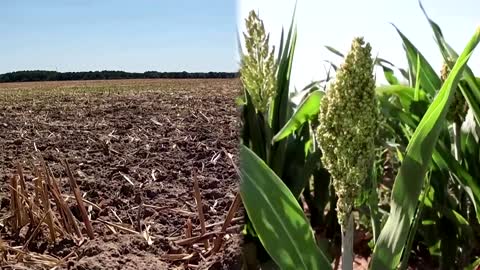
43	75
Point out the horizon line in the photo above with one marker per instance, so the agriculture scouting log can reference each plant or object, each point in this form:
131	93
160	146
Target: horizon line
113	70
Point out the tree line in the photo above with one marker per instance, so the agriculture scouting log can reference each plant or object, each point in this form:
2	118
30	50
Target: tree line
44	75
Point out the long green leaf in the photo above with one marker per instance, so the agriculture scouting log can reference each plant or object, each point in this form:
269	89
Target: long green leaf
335	51
409	181
277	217
282	107
413	229
280	104
308	109
471	88
418	79
430	81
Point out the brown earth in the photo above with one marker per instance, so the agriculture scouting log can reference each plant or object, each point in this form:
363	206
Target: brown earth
155	133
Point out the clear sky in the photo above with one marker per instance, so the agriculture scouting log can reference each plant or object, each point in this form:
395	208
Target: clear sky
140	35
335	23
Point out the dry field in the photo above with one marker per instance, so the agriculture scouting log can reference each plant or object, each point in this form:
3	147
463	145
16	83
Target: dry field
134	149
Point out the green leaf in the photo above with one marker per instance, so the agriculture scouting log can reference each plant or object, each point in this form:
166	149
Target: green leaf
277	217
395	112
389	75
282	107
372	204
430	81
413	228
253	128
405	93
470	90
297	165
307	110
474	265
335	51
409	180
443	158
280	51
418	79
380	61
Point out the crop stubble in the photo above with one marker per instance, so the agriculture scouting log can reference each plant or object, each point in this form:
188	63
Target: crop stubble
128	143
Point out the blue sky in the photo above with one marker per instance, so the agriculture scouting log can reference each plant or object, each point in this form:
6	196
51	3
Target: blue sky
336	23
140	35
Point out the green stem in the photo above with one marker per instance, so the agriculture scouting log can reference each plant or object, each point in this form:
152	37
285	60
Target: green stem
457	140
347	244
458	156
373	204
374	217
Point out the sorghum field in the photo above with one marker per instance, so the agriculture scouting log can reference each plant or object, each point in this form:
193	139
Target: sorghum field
135	149
354	173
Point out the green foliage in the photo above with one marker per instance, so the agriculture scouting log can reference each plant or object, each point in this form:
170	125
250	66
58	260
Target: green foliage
409	181
290	241
434	157
265	112
307	111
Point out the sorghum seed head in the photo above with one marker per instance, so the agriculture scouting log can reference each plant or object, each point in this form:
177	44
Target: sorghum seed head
258	67
459	107
348	125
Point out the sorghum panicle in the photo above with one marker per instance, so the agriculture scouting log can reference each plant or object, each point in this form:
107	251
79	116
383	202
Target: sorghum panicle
258	67
459	107
348	125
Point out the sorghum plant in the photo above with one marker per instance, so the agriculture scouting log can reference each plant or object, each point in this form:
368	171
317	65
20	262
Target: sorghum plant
348	125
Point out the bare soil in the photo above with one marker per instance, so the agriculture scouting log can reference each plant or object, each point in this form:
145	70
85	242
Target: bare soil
154	133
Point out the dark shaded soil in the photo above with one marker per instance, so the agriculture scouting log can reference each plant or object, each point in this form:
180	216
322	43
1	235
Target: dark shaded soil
155	133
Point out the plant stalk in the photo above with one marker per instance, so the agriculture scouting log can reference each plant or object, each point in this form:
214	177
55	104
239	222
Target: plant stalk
458	156
457	140
347	244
